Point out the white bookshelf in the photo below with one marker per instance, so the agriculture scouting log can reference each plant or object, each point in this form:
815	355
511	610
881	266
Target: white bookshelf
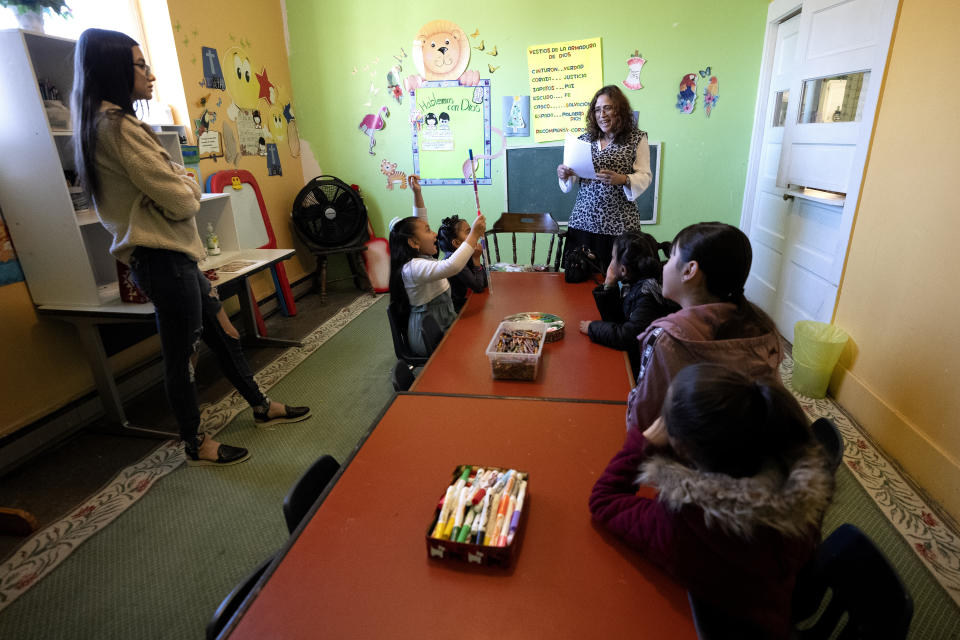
64	253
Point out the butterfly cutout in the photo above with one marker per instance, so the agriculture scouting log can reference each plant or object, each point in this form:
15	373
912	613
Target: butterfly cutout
186	41
493	68
494	52
177	26
475	33
705	72
481	47
193	60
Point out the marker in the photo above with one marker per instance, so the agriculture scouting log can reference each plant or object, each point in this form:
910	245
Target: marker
444	514
515	521
508	516
494	505
477	497
482	521
458	516
467	525
501	514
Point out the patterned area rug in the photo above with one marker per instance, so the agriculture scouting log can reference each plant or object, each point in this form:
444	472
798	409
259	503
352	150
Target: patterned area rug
930	535
49	547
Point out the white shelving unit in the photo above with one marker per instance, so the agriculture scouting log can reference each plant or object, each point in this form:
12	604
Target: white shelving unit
64	253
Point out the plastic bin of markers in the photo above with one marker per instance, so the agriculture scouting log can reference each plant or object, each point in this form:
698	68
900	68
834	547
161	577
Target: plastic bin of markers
478	554
516	366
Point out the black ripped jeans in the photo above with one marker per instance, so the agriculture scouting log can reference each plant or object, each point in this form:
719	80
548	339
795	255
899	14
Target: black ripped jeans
187	310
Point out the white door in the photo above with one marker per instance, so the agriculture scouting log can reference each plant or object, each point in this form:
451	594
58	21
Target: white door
831	58
768	230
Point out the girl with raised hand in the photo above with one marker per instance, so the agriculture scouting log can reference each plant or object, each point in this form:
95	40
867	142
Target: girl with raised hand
741	489
418	281
708	268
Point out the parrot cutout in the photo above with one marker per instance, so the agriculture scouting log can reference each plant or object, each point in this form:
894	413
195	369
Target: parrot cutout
711	95
687	98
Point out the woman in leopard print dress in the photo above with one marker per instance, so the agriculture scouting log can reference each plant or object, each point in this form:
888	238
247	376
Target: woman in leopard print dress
605	206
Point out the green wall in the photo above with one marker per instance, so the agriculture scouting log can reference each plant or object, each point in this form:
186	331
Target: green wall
704	159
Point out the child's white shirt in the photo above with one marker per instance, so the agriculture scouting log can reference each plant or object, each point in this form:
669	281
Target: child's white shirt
426	278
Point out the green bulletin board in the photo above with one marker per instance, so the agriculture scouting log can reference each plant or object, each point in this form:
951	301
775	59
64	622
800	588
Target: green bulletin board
447	120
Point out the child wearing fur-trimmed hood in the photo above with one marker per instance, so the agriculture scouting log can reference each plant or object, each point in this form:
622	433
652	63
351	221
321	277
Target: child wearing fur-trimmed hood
741	488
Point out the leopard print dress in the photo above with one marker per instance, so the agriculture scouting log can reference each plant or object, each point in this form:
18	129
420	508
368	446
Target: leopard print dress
604	208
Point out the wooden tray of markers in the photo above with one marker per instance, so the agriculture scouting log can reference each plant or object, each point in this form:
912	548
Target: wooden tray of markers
451	538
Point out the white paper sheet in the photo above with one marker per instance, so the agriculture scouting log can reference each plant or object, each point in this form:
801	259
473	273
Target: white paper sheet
576	155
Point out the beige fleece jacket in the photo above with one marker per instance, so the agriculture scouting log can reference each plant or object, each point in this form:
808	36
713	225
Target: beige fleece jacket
145	199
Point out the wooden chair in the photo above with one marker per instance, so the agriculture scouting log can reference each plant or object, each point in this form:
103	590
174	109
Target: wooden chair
532	223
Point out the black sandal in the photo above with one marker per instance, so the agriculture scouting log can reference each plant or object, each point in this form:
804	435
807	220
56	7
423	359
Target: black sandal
290	414
226	454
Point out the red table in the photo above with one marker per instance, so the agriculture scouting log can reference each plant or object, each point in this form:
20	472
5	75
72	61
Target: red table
572	368
359	567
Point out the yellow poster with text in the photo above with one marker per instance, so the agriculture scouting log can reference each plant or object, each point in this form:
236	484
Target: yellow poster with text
563	78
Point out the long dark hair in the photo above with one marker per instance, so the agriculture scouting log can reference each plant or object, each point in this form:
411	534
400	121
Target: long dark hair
622	111
102	71
637	254
400	254
723	422
724	256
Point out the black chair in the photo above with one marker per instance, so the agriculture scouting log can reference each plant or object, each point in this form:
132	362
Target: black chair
857	581
402	376
398	330
714	623
233	600
307	489
830	439
431	333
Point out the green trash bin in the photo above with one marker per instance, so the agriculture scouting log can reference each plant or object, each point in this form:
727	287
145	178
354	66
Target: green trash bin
816	348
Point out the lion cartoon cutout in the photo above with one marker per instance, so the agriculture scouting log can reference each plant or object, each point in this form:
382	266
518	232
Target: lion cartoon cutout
441	51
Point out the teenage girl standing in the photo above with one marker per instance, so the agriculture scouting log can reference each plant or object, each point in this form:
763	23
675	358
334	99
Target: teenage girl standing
148	203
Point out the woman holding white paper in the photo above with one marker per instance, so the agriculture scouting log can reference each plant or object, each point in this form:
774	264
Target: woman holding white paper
621	158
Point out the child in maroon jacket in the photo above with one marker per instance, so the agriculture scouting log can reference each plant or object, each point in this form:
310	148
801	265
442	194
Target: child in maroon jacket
741	491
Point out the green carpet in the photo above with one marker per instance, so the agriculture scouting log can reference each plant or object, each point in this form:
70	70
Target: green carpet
935	615
160	569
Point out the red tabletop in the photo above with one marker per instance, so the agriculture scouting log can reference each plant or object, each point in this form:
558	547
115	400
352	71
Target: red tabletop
572	368
359	568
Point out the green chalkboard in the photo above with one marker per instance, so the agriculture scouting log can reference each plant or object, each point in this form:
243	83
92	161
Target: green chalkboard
532	185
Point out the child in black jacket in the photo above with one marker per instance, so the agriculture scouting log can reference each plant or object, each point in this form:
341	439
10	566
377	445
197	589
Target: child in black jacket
630	298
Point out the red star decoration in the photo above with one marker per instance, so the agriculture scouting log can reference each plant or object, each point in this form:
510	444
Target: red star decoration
265	85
